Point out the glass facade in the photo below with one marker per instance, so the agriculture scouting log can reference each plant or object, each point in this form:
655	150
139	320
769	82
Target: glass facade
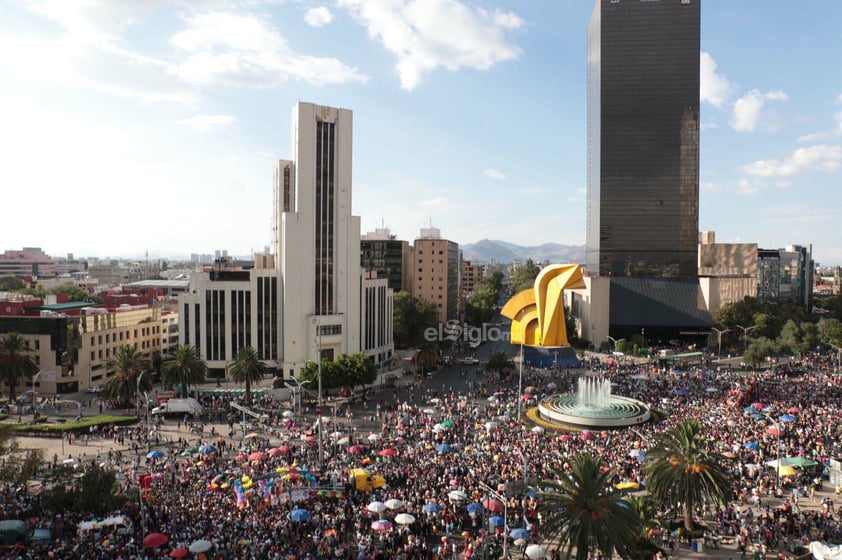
643	138
325	203
384	256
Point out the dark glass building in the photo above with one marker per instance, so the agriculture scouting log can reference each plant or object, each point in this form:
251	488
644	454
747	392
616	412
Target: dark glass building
643	138
387	258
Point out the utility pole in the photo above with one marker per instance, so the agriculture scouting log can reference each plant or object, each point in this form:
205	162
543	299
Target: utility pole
319	409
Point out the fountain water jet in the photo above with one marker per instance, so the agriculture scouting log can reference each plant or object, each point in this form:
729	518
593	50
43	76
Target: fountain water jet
593	405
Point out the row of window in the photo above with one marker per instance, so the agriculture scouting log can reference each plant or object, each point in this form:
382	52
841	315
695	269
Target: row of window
124	335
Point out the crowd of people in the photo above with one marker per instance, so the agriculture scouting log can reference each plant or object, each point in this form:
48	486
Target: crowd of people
452	459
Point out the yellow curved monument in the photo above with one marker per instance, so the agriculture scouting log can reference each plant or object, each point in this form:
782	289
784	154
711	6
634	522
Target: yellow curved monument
538	314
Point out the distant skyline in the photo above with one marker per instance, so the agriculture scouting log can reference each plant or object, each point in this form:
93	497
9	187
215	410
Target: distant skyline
135	126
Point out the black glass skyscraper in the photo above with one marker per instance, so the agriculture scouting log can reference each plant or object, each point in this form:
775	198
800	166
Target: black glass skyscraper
643	138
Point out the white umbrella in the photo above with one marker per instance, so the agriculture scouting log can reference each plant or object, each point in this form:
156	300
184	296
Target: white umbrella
376	507
537	430
288	414
404	519
439	428
435	400
490	425
394	503
374	437
534	551
457	496
200	546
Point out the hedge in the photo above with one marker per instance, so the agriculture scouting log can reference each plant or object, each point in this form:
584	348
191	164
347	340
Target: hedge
83	426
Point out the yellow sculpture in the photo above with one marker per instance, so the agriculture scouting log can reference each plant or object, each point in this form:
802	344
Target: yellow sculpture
538	314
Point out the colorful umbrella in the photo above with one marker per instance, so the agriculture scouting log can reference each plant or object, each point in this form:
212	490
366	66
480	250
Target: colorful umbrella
381	525
154	540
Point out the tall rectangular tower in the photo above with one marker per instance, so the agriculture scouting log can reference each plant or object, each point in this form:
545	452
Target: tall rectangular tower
643	138
317	239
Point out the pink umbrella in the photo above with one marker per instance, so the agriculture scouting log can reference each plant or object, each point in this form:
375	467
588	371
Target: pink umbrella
388	452
284	449
355	450
772	430
381	525
258	456
275	452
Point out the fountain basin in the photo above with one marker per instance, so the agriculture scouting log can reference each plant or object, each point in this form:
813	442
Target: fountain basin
613	411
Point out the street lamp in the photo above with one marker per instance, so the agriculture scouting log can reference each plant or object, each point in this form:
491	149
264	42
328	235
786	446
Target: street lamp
505	503
719	334
139	378
34	393
746	330
615	341
520	374
319	411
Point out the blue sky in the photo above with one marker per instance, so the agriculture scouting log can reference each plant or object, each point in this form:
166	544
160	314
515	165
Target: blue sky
154	125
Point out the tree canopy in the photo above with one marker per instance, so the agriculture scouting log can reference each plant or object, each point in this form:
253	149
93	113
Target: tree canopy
524	276
247	369
412	316
17	363
348	371
184	368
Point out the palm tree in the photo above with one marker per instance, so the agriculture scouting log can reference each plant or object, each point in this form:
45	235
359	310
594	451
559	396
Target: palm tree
583	510
185	368
247	368
16	362
681	469
127	365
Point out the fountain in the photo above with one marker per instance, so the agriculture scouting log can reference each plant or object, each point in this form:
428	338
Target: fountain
593	406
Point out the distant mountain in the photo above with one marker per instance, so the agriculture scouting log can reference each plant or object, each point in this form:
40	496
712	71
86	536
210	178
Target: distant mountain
504	252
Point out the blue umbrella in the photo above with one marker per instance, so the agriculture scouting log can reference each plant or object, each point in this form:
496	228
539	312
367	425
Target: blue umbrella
787	418
519	534
496	521
299	515
475	508
752	445
757	416
431	508
769	409
444	448
156	454
750	409
207	449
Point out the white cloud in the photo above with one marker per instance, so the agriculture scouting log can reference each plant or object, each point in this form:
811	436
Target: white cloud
709	187
713	88
436	202
242	49
748	109
318	17
428	34
822	157
494	174
748	187
207	123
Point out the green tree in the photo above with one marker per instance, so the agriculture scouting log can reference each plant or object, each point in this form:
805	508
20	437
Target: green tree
93	494
789	340
809	336
584	512
331	376
764	324
247	369
427	357
17	363
37	291
185	368
759	349
681	469
499	362
524	276
356	369
11	283
126	365
75	293
412	317
830	331
480	306
157	364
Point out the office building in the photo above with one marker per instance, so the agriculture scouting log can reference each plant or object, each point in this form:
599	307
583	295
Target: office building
383	253
643	138
313	303
472	276
435	273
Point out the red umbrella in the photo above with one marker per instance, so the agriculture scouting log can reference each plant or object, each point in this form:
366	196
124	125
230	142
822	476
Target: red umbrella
772	430
495	506
757	405
240	457
355	449
154	540
275	452
793	410
179	553
388	452
565	437
258	456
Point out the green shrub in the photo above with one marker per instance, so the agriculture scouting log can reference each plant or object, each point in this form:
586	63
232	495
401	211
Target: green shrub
82	426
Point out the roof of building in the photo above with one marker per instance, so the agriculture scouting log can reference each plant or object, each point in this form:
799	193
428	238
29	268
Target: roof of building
157	283
68	305
658	302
